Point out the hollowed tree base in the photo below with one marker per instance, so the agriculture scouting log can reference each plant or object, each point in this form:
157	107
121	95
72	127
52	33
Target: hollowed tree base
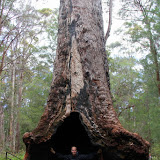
73	132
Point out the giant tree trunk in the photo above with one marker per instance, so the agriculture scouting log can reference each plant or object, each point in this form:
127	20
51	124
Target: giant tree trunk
79	109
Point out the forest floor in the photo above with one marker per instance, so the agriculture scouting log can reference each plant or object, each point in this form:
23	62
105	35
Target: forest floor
20	155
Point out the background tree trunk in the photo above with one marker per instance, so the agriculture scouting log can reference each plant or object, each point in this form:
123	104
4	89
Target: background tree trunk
12	109
80	84
2	134
21	70
110	21
153	48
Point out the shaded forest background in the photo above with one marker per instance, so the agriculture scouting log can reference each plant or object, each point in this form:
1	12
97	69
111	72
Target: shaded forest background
27	52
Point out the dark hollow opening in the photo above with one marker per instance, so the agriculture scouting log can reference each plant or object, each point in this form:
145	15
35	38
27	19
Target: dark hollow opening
72	133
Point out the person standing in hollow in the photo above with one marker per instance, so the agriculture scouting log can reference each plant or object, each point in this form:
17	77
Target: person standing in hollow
75	155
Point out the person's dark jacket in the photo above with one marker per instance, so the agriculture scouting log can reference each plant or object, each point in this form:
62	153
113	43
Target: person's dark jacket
76	157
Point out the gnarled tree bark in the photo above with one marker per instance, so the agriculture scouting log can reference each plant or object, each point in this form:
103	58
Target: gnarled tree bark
80	94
